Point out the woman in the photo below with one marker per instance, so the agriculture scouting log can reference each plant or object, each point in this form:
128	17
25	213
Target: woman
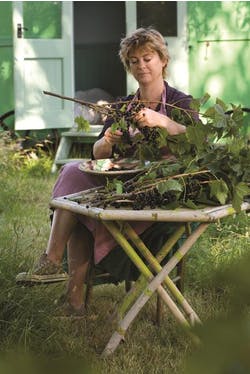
144	54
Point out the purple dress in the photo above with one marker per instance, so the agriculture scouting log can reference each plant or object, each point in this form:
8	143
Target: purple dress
71	180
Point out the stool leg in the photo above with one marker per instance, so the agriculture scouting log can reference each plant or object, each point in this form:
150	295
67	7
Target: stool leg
158	310
181	265
180	274
128	285
179	283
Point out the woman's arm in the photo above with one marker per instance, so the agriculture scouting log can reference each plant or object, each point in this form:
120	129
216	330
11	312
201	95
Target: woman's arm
103	147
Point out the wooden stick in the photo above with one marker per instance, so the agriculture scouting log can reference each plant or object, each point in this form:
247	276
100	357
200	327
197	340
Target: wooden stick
141	283
146	294
91	105
129	250
96	106
154	265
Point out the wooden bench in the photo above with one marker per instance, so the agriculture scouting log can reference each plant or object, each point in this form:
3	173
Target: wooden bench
73	136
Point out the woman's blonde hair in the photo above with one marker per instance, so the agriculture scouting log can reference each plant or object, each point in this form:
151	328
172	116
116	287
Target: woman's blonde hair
144	37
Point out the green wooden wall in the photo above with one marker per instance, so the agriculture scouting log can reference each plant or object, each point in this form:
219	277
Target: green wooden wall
219	50
6	60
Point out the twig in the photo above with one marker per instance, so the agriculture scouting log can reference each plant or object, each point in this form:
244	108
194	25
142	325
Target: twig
91	105
100	108
103	197
163	179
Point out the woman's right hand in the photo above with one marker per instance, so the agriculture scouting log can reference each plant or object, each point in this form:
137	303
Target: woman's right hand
113	137
103	147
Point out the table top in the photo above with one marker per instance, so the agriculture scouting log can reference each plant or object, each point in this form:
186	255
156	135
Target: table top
206	214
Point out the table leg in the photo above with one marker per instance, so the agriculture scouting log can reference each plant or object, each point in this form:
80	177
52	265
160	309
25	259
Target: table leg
118	335
154	265
122	241
141	282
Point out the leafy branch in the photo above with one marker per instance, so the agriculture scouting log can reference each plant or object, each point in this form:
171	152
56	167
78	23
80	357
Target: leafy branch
213	158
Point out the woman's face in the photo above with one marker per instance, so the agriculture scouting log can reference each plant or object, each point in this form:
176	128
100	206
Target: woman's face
145	65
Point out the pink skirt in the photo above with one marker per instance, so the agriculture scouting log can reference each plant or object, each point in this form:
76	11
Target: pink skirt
71	180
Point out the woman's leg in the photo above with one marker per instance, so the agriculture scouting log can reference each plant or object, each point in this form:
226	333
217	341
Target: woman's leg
63	224
80	248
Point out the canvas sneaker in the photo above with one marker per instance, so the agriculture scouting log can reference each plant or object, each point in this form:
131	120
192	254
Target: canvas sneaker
44	272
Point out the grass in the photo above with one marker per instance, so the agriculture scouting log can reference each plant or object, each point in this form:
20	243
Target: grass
31	334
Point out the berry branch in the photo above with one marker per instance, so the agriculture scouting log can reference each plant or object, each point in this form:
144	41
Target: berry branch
210	162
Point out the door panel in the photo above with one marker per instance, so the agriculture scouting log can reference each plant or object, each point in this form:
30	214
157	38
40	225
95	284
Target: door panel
44	19
159	14
43	62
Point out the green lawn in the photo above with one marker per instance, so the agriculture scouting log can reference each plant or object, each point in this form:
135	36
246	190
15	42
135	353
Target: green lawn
30	334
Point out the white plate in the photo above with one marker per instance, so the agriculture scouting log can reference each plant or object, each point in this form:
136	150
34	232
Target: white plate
110	166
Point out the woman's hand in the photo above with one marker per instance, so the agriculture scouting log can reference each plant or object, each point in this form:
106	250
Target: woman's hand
113	137
103	147
150	118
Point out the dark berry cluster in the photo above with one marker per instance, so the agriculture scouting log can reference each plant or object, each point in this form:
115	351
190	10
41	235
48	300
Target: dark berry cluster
150	134
147	143
126	117
193	189
152	199
135	107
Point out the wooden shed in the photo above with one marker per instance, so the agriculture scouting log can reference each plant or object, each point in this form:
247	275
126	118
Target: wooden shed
66	47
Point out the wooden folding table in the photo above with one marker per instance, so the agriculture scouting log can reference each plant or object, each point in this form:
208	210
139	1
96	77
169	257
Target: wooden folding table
154	277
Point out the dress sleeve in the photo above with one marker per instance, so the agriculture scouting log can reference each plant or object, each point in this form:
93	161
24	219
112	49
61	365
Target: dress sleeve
180	100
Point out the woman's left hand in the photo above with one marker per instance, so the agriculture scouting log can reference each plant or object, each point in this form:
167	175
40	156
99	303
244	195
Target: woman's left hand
148	117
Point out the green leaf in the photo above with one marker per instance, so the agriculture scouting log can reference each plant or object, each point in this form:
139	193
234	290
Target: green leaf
237	115
171	169
123	124
196	135
190	204
170	185
161	138
115	126
148	176
210	113
119	125
221	104
82	124
220	122
197	103
219	190
219	109
240	190
119	187
178	145
123	108
204	98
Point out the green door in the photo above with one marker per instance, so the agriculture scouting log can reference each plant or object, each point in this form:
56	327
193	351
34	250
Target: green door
43	61
6	61
170	19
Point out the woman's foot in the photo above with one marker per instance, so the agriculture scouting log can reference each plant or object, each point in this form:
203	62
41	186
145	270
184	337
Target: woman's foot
45	271
66	309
